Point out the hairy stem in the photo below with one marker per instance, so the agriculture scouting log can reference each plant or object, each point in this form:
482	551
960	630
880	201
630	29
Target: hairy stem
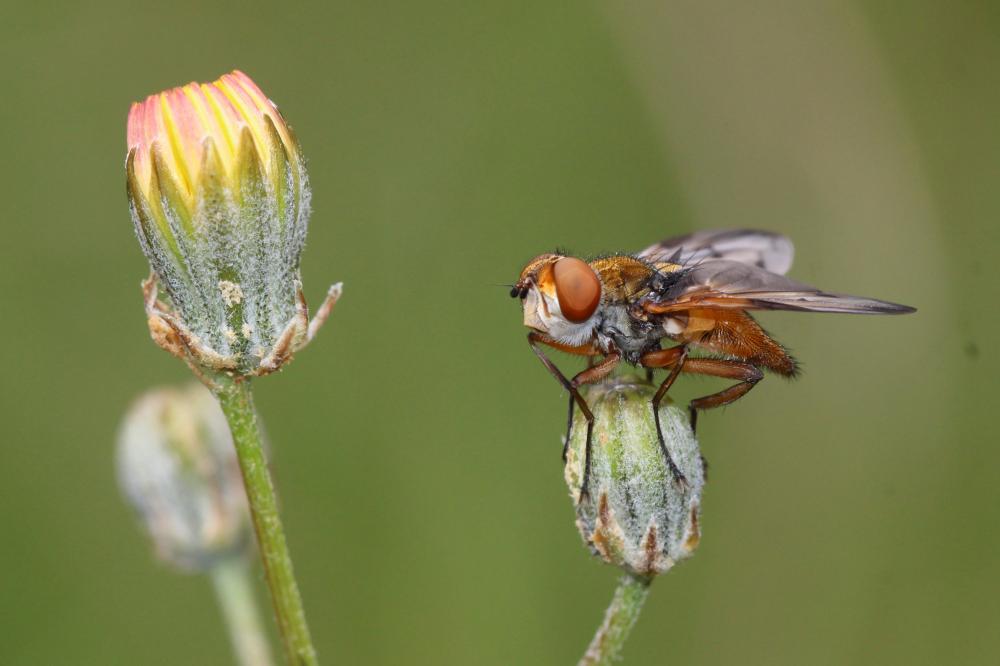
618	621
237	404
234	589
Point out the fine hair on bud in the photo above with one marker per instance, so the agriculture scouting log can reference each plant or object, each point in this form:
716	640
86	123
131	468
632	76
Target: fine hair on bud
177	468
636	515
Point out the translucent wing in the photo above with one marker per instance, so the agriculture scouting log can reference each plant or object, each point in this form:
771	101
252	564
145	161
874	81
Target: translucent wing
763	249
734	285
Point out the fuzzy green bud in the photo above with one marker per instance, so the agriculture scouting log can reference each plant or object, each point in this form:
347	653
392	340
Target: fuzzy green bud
177	467
636	515
219	198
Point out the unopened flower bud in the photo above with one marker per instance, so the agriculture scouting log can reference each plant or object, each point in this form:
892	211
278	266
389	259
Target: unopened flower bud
219	198
636	515
178	469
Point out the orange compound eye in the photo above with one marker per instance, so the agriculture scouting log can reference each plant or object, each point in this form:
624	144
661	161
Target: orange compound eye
577	288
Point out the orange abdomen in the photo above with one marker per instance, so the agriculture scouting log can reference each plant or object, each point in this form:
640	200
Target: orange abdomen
735	333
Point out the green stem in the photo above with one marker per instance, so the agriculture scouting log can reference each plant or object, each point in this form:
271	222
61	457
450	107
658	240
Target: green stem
618	621
237	404
234	589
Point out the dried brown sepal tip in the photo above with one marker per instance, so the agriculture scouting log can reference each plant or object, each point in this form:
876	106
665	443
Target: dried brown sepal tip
636	516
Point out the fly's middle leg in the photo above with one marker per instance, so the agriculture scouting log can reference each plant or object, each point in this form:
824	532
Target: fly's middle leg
674	358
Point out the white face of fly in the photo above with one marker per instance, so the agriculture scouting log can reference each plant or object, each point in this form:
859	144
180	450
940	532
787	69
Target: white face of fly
543	314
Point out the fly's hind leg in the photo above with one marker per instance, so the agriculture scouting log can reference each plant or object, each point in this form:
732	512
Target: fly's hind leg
675	358
747	373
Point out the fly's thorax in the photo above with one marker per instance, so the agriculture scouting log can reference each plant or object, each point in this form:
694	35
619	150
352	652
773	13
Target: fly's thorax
623	276
632	336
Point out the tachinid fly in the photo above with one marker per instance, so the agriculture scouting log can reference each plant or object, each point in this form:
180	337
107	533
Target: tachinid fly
694	290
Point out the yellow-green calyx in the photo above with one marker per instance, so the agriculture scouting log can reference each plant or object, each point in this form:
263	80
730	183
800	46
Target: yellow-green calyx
636	515
219	198
177	467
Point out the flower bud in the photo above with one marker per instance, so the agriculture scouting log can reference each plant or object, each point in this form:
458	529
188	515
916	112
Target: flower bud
636	515
219	198
177	467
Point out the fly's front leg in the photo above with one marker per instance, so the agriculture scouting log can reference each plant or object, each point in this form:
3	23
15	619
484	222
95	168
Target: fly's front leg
588	350
594	373
569	428
591	374
674	358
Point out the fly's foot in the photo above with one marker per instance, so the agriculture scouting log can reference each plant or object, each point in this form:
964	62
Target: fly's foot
678	476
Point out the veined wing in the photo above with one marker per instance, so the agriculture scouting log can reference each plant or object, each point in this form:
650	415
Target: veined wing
763	249
735	285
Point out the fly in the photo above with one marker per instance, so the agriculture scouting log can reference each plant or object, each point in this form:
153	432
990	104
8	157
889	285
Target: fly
694	290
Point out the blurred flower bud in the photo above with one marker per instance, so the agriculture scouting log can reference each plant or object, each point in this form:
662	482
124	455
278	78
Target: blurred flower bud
219	198
178	469
636	516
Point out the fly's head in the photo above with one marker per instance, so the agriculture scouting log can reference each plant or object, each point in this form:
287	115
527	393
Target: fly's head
560	297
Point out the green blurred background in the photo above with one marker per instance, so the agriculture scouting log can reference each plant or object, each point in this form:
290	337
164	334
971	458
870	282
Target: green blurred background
851	516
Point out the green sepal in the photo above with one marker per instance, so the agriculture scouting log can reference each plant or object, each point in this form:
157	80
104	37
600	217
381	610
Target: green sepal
249	174
255	227
212	194
143	216
284	173
216	211
152	222
169	193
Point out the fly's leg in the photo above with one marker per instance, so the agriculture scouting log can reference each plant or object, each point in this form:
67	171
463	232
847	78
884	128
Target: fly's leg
675	358
747	373
589	375
592	374
649	370
575	396
588	350
569	427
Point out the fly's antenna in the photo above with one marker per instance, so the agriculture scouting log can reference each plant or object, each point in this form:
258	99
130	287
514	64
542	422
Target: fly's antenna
514	291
